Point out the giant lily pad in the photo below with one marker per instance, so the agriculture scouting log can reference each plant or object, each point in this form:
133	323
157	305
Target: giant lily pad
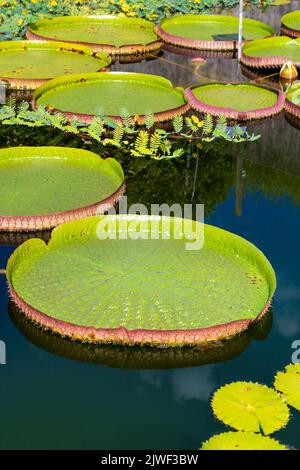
290	24
242	441
111	34
82	95
239	101
141	280
41	187
136	357
271	52
214	32
28	64
248	406
292	102
288	383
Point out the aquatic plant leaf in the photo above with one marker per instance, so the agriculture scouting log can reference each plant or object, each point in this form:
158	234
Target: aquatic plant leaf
152	285
248	406
107	33
54	180
271	52
137	92
290	23
288	383
29	63
242	101
238	440
217	32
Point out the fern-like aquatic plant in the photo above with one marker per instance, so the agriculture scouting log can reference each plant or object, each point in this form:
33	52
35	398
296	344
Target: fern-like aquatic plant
127	135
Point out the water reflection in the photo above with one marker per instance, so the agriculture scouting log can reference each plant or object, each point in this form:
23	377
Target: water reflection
17	238
139	357
185	384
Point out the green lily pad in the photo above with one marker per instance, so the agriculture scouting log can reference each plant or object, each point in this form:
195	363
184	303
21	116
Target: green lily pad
39	183
32	62
293	94
241	101
248	406
135	357
292	103
106	33
290	24
210	31
288	383
139	93
242	441
125	288
271	52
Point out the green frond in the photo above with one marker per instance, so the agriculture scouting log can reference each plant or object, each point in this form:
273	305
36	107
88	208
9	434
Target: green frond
208	124
149	120
126	117
155	141
177	124
141	141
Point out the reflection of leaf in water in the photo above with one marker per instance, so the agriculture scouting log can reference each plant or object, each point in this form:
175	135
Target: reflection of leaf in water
248	406
288	383
241	441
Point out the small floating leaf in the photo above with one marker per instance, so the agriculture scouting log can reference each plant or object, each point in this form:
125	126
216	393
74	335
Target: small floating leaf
288	382
248	406
242	441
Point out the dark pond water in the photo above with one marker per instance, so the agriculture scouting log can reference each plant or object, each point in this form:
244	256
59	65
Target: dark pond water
57	396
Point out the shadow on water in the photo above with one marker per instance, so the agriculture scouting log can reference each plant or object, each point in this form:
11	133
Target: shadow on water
139	357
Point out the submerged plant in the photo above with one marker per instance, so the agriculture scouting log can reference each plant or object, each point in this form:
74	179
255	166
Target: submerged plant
148	141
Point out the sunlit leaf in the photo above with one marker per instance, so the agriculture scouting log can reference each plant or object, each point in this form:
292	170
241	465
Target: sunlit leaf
288	382
242	441
248	406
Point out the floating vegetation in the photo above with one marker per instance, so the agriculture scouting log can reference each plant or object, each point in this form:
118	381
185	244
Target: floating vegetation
136	281
135	357
288	383
255	410
271	52
41	187
292	102
213	32
111	34
248	406
81	95
290	24
240	101
29	64
242	441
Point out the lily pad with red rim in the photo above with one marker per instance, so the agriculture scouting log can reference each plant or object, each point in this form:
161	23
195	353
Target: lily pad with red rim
290	24
29	64
81	95
213	32
112	34
137	281
41	187
292	102
236	101
271	52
